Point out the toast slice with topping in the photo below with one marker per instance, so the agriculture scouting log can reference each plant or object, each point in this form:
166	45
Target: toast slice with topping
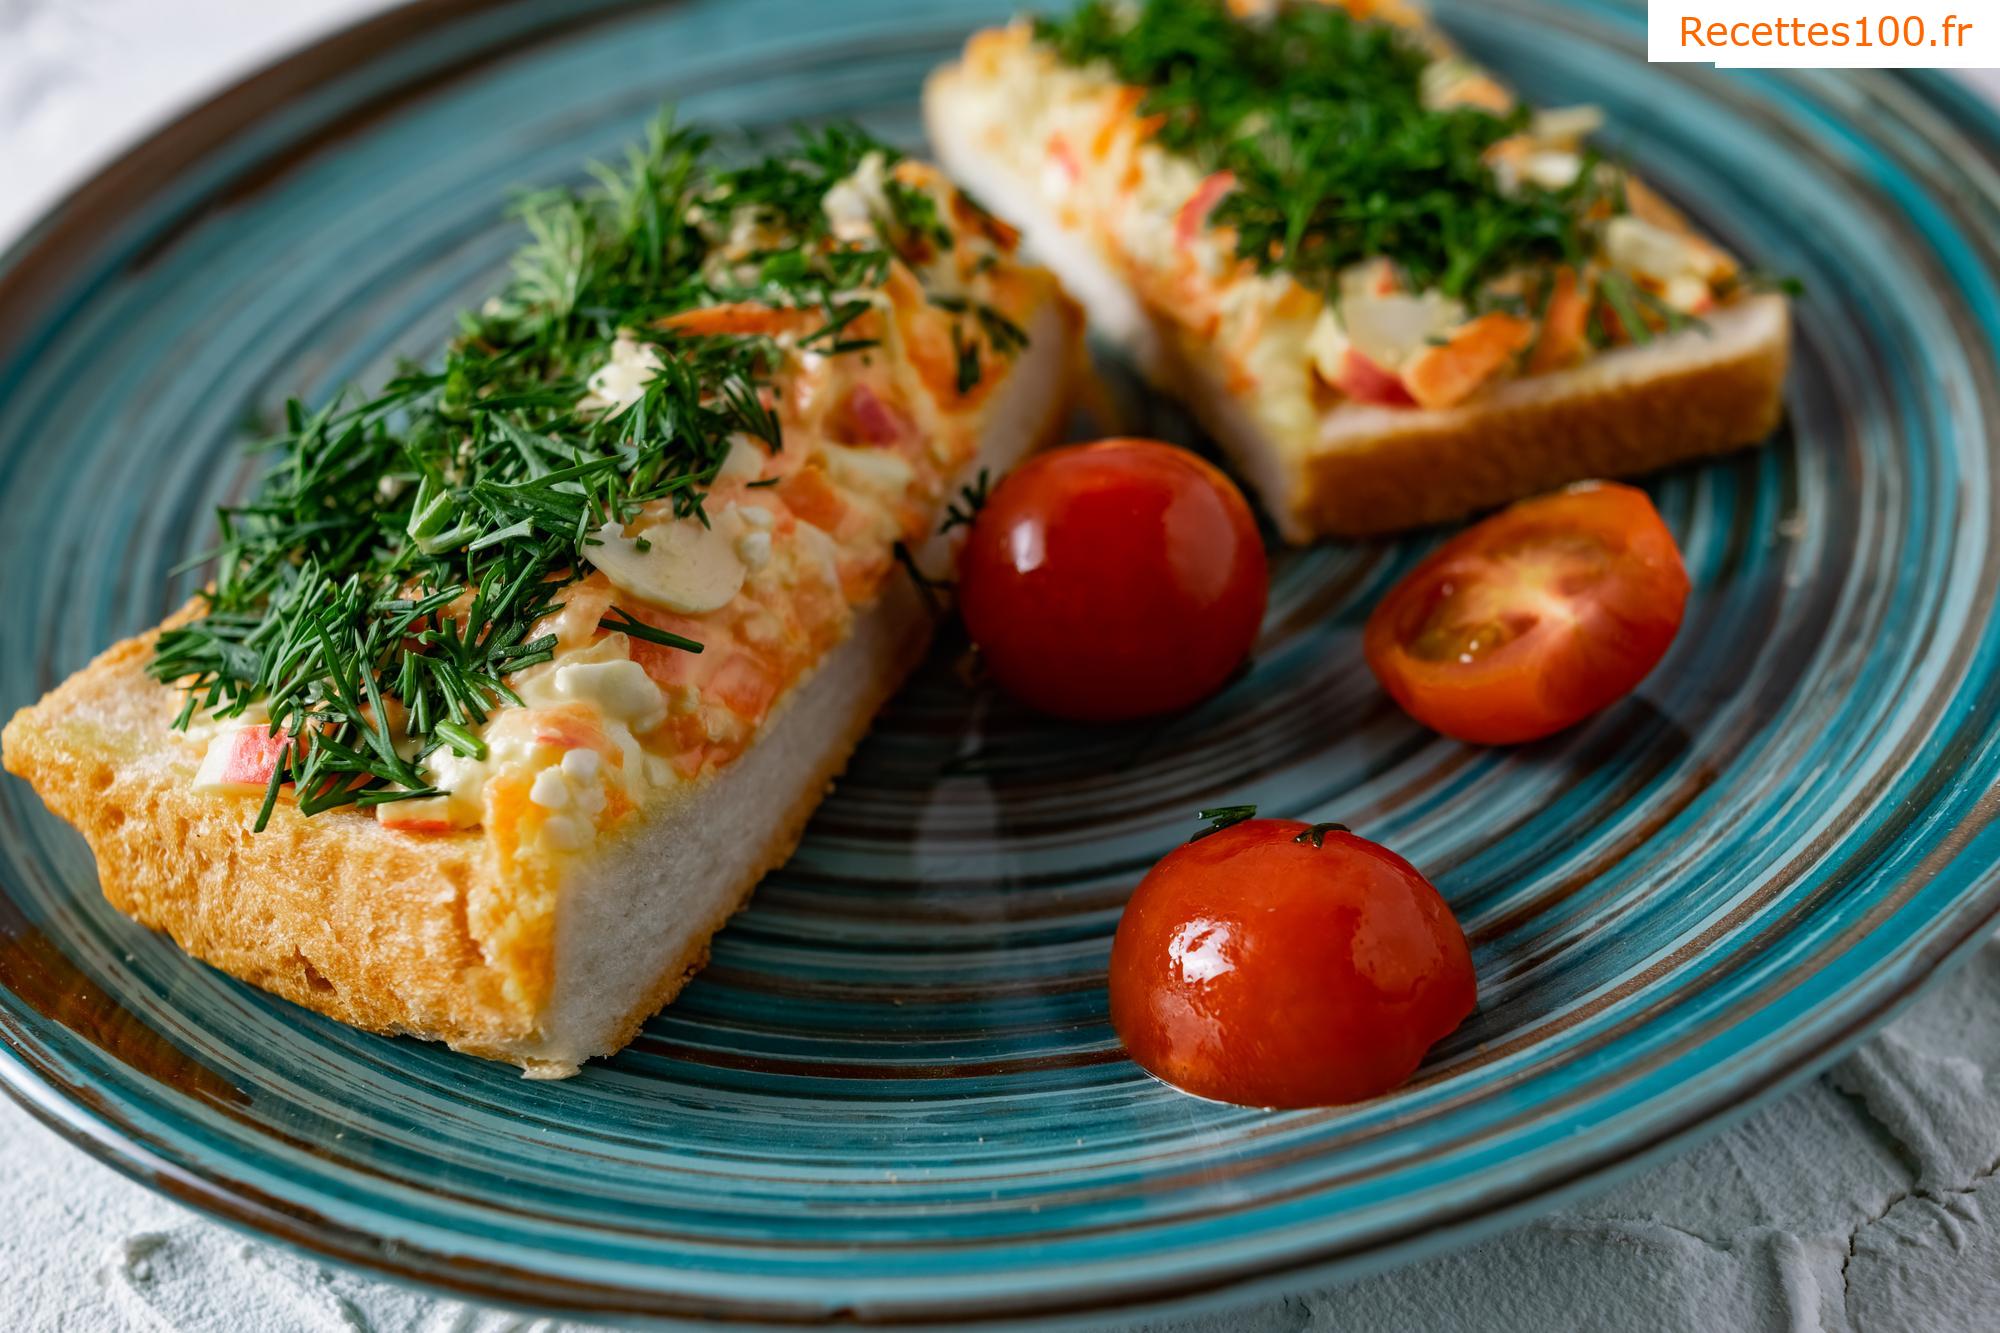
1393	293
519	674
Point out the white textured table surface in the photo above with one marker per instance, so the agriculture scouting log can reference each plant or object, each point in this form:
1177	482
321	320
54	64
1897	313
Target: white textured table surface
1858	1202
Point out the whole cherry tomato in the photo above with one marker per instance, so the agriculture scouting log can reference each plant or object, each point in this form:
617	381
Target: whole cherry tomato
1114	580
1275	963
1534	619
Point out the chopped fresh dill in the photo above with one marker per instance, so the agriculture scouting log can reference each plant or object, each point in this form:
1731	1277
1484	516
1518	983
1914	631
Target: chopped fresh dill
1621	294
1006	336
1001	333
971	499
916	215
1322	120
927	587
620	621
386	579
461	740
969	369
1756	280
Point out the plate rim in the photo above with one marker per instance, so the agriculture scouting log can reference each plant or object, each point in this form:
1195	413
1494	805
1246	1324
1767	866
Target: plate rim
84	218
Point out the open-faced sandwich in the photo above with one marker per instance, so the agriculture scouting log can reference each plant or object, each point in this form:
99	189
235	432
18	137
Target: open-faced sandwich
1392	292
515	677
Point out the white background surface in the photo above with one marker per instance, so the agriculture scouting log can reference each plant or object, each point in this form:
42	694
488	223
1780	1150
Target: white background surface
1858	1202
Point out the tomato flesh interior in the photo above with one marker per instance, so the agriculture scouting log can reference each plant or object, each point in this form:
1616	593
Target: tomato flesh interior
1534	619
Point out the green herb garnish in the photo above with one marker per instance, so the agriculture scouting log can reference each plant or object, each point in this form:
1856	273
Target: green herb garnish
966	376
620	621
971	499
385	580
1622	296
1321	119
915	214
1001	333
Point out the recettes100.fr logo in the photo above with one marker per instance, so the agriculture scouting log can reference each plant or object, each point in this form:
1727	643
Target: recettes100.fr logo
1823	34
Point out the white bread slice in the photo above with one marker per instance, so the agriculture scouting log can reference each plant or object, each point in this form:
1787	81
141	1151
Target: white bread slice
1369	469
378	928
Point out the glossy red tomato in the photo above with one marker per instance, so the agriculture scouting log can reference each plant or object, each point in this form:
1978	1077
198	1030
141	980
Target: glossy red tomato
1253	966
1113	580
1534	619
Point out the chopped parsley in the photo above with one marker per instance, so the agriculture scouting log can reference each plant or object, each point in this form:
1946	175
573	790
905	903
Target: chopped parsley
385	580
1321	119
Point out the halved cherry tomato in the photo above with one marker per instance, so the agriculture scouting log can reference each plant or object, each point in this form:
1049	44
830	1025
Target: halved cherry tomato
1113	580
1268	967
1534	619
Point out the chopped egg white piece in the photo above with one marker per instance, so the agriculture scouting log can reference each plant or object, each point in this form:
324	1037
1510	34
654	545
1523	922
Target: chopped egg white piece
621	691
754	550
621	381
565	833
549	790
854	202
1440	79
449	771
1686	292
879	472
1327	344
1391	329
814	551
1637	246
1566	124
1552	169
745	461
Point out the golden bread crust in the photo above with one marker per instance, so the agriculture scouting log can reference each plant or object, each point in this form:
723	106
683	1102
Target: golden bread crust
335	912
1616	430
1434	467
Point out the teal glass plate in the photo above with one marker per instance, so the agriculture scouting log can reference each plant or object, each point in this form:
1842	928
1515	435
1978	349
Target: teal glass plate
894	1097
